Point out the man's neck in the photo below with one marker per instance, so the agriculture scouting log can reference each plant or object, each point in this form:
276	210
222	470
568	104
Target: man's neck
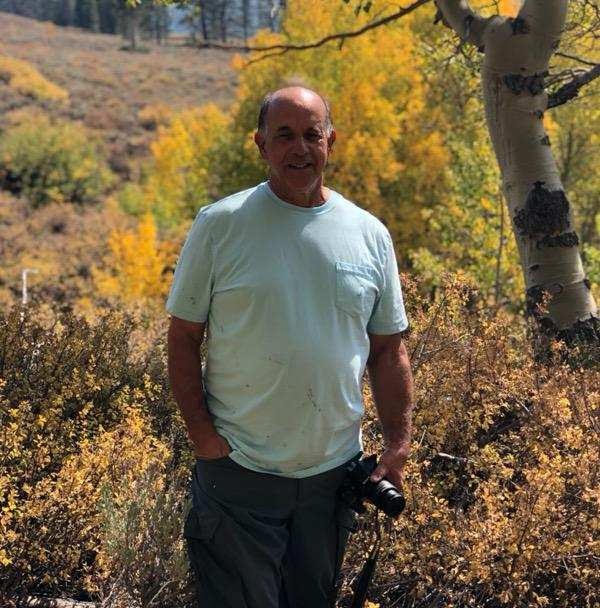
313	198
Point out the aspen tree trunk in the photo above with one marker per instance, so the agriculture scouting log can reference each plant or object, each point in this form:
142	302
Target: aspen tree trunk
517	52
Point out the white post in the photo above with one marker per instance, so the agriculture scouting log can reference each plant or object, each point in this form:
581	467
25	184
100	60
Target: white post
25	299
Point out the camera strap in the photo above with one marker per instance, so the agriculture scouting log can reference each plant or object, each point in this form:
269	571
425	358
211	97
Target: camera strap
361	586
364	579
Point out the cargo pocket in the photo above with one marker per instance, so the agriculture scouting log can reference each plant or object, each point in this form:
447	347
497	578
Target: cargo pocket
347	523
199	532
217	581
355	291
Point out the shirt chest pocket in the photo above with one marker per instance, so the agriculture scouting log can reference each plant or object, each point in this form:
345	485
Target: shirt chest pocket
355	289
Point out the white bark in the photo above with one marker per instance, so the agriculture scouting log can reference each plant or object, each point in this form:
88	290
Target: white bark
517	54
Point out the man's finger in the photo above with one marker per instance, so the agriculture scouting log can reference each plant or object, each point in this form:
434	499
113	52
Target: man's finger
395	478
379	473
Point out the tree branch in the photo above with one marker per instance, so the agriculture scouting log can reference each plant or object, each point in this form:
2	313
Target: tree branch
459	16
341	36
575	58
572	88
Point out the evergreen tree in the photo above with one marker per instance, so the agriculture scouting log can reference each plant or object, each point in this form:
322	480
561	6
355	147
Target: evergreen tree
65	13
155	21
82	13
49	10
108	15
94	16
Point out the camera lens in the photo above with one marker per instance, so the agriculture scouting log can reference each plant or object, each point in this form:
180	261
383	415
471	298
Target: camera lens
386	497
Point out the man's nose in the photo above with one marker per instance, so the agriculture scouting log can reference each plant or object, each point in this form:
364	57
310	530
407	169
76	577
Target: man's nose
300	145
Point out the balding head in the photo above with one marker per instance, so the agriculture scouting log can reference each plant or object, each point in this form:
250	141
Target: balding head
296	95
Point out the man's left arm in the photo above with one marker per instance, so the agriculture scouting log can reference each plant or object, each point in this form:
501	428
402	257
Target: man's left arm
392	387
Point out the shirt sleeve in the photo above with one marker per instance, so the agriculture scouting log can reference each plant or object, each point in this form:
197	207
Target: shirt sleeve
389	316
193	280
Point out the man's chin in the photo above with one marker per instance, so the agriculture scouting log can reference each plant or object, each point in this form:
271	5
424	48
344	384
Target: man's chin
301	183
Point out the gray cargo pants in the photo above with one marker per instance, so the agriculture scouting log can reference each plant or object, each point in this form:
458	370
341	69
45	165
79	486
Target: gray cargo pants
257	540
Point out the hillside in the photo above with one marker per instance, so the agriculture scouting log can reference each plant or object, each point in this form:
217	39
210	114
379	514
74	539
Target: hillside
107	86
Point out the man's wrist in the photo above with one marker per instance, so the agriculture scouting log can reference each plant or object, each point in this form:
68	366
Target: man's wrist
215	446
202	435
401	442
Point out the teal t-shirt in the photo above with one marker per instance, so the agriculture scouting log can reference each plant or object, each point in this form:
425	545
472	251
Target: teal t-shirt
288	294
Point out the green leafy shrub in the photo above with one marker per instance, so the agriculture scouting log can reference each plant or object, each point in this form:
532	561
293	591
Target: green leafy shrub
49	161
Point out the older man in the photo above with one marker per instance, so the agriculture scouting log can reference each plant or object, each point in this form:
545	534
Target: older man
298	290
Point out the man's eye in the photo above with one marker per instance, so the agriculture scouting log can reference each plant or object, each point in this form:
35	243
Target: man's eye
284	136
313	136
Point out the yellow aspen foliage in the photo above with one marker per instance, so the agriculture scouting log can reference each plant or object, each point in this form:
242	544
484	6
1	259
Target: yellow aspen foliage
134	268
180	176
507	8
510	8
25	79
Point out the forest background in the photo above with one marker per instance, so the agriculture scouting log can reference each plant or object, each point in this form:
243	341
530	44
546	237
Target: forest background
107	154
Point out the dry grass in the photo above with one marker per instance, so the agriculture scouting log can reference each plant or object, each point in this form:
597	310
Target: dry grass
107	86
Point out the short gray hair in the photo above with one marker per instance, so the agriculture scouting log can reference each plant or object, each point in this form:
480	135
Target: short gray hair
268	98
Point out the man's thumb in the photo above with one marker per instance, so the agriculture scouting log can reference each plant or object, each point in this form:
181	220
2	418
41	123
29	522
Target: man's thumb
379	473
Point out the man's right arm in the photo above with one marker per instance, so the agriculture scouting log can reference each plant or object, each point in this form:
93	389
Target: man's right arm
185	376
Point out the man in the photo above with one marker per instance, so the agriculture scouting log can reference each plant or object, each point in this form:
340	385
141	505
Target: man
298	290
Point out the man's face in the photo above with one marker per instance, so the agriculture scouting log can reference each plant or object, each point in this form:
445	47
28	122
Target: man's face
295	142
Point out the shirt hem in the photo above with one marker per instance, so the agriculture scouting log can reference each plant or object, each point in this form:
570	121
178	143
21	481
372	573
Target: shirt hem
185	315
240	459
385	330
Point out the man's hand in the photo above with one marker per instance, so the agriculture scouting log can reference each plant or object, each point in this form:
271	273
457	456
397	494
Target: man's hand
391	464
212	448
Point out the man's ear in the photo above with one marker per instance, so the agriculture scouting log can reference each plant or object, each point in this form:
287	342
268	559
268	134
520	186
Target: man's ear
330	140
259	140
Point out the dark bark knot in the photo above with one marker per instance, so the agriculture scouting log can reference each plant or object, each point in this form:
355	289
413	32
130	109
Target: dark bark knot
546	213
567	239
518	83
468	22
519	26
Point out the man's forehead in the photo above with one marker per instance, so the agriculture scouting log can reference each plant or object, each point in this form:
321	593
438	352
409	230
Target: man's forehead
296	103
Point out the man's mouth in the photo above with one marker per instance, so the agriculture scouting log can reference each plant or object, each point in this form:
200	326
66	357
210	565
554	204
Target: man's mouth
299	166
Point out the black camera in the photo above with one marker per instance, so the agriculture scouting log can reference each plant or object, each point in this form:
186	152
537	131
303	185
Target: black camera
357	487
